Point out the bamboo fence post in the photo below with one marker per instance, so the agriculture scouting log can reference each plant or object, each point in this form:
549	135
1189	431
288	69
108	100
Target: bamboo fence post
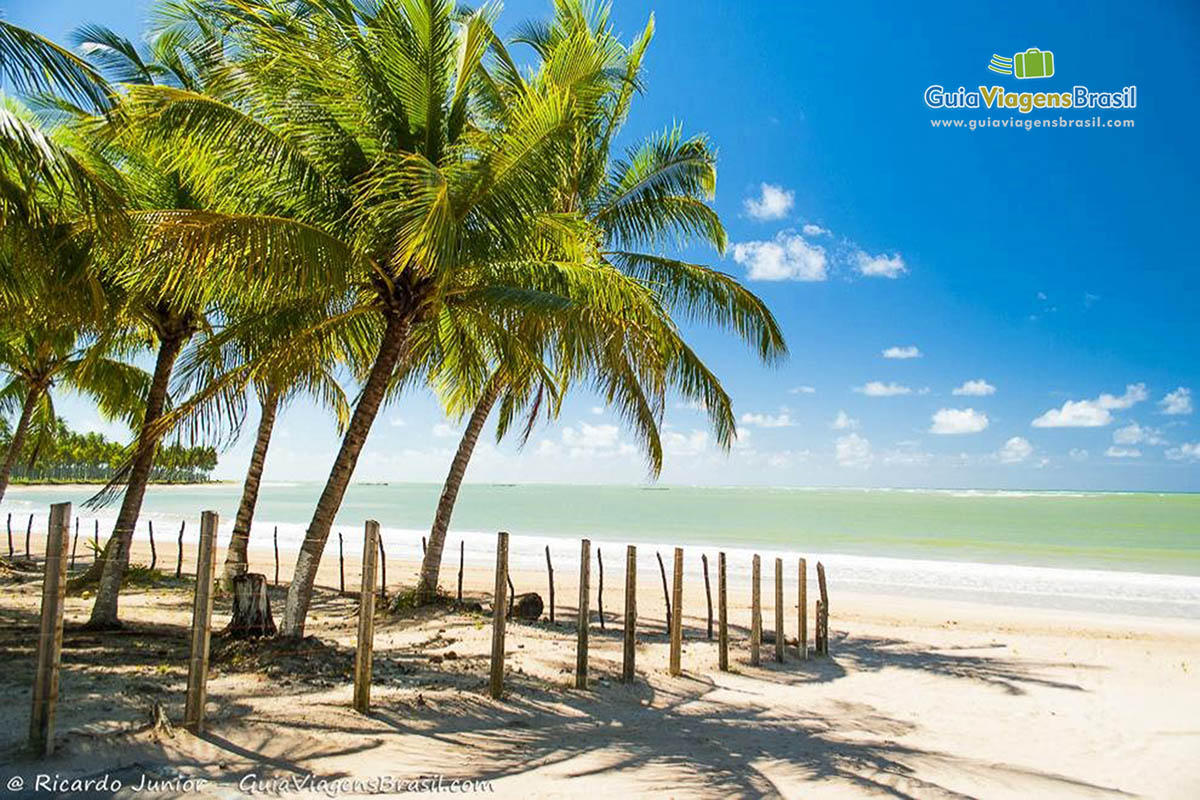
49	649
28	531
179	558
666	593
600	588
722	617
823	619
802	617
550	572
707	594
676	667
382	570
10	542
756	612
630	648
342	565
197	685
275	538
153	551
496	681
581	649
462	550
779	636
366	619
74	543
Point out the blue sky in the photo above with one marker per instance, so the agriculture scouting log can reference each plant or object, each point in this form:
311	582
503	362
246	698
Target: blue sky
1048	275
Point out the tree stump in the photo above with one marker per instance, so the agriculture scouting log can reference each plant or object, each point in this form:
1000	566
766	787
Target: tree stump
251	608
528	606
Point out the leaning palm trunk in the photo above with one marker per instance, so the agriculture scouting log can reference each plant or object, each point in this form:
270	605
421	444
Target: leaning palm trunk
115	558
236	559
432	563
18	439
299	595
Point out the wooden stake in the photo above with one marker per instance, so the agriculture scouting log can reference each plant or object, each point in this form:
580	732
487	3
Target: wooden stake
677	615
496	682
153	552
779	636
178	560
550	572
600	588
462	550
756	612
424	546
512	594
275	538
802	616
341	565
366	619
666	593
10	542
197	685
630	649
28	530
49	648
74	543
96	538
823	618
722	617
382	570
707	594
581	647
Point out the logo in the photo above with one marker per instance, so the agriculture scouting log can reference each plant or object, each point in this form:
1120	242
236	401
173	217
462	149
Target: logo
1033	63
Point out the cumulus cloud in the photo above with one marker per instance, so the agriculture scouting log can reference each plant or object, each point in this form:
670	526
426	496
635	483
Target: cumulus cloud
1091	413
444	431
951	421
591	437
787	257
398	422
881	389
1177	402
1078	454
902	352
1123	452
1136	434
774	202
814	230
685	444
1188	451
802	390
853	451
780	420
880	266
1015	450
976	388
843	422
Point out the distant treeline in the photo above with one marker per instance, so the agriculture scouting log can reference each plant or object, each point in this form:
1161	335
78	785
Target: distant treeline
68	456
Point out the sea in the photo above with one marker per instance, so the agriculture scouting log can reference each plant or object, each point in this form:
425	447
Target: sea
1116	552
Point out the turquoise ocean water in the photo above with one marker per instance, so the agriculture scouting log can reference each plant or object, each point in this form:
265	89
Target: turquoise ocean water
1131	552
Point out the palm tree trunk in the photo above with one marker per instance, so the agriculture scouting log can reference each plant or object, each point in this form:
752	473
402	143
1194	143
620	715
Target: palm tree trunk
115	558
299	596
236	560
18	439
432	563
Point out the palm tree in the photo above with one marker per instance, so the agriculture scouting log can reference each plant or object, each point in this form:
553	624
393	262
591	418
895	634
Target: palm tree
660	189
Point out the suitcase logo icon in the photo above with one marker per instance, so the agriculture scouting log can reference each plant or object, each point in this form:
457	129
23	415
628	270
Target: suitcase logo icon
1033	63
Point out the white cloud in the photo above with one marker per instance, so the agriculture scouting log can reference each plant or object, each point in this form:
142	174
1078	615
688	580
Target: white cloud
853	451
788	257
1091	413
1015	450
444	431
1188	451
976	388
814	230
906	454
950	421
591	437
597	410
1136	434
1078	454
843	422
774	203
398	422
881	389
781	420
1177	402
802	390
685	445
902	352
1123	452
880	266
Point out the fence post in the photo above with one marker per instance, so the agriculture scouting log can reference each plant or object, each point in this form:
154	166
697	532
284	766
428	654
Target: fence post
823	617
677	615
49	648
630	650
153	551
779	635
74	542
342	565
10	542
722	617
28	530
366	619
550	572
756	612
496	683
178	559
197	685
600	588
581	649
802	618
462	550
275	538
666	594
382	570
707	594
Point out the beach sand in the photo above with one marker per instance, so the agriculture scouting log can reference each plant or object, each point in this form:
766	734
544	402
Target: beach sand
917	698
